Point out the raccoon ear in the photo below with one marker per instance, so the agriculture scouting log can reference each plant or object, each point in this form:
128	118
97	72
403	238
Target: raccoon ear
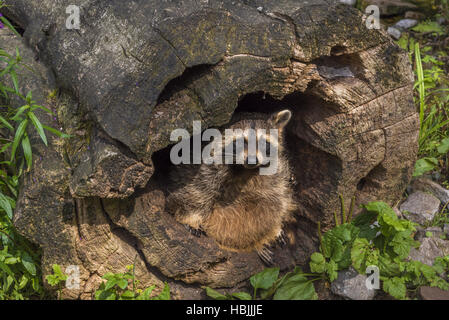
281	118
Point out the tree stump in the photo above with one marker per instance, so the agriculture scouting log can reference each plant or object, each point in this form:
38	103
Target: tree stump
137	70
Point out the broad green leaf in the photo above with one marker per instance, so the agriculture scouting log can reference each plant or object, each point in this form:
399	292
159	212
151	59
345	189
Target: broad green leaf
264	279
359	253
424	165
296	287
396	287
331	270
317	263
28	263
443	148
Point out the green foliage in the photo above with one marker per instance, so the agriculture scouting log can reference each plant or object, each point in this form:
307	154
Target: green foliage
378	237
20	274
293	285
57	279
123	286
432	88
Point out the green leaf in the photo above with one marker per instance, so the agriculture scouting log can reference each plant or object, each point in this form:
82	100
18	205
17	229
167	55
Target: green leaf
424	165
443	148
215	294
56	132
359	254
127	295
164	295
19	112
110	284
37	124
331	270
264	279
396	287
6	205
6	124
429	26
317	263
242	295
296	287
28	263
26	146
145	295
18	137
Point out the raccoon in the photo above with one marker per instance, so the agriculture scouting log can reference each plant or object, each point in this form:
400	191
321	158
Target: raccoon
233	203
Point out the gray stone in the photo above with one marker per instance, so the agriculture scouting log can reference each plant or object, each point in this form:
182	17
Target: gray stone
441	20
433	293
406	24
427	185
446	228
420	207
352	285
395	33
432	232
414	15
430	249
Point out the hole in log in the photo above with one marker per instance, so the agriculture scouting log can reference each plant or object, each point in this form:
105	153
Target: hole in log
361	184
338	50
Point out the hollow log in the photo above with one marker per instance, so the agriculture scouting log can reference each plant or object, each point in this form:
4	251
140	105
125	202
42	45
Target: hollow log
136	70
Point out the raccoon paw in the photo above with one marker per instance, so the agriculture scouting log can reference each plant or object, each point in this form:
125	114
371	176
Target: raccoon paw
281	239
193	231
266	255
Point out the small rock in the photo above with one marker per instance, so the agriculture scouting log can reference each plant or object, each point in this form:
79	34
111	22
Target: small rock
431	232
433	293
405	24
349	2
427	185
352	285
414	15
436	176
260	9
395	33
446	228
420	207
441	20
430	249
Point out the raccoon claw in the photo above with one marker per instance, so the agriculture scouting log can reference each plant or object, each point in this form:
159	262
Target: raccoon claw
266	256
281	239
193	231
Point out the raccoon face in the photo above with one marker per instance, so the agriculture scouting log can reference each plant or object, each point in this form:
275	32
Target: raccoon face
254	143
